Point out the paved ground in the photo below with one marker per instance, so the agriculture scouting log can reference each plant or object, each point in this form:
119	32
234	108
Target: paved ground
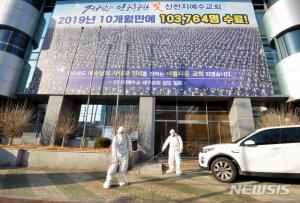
25	185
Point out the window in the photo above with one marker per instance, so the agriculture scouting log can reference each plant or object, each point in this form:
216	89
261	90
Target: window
166	105
292	42
288	43
19	40
15	50
266	137
31	59
165	115
100	119
270	2
35	3
290	135
4	35
13	42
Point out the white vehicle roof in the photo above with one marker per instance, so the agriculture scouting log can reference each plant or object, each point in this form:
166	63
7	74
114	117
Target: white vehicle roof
276	127
262	129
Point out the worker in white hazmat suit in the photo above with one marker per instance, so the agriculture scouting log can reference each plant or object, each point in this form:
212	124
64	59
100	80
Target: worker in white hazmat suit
175	150
121	147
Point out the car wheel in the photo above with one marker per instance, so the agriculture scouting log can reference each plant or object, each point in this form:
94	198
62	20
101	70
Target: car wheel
224	170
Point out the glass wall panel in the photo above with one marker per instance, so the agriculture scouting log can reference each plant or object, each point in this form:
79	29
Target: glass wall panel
219	132
269	3
4	35
200	116
31	58
270	52
214	133
291	41
36	123
197	123
225	132
166	105
191	106
217	106
35	3
218	116
165	115
13	42
162	132
100	119
194	137
259	14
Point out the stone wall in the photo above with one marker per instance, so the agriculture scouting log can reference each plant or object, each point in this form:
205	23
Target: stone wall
10	157
57	160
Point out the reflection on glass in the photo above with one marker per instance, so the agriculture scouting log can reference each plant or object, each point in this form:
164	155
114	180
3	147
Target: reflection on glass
161	134
217	106
194	137
165	115
201	116
225	132
197	126
218	116
219	132
191	106
165	105
13	42
35	3
101	118
214	133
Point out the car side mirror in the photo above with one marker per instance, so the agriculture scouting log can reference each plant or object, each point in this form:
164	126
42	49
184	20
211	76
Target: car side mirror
249	143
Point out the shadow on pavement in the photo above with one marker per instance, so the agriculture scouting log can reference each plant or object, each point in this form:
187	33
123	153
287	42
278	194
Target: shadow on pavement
125	200
211	194
171	178
291	181
24	180
12	200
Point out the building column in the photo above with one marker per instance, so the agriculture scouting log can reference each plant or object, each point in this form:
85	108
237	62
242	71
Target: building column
241	118
281	22
146	127
18	22
54	107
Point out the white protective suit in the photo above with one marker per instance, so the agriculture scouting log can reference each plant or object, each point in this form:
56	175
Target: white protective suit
121	146
175	150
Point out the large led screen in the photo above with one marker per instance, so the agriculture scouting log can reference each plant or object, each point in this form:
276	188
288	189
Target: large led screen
161	48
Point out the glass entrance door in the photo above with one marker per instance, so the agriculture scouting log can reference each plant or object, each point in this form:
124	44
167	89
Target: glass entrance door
162	129
194	137
198	123
219	132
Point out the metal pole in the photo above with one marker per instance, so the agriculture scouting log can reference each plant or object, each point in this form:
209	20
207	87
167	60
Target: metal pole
90	90
118	93
72	63
69	74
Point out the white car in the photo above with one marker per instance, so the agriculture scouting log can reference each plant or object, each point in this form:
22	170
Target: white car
266	152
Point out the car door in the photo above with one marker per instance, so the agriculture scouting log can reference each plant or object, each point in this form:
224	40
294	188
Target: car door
266	155
291	148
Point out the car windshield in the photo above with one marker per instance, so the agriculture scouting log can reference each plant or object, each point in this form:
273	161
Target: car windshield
243	137
240	139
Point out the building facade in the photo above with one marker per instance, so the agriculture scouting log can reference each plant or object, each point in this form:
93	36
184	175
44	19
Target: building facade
56	61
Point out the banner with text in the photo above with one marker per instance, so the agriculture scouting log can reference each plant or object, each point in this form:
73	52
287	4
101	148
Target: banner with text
184	48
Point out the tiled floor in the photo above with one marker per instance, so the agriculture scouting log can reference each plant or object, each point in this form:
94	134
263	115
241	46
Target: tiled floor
27	185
